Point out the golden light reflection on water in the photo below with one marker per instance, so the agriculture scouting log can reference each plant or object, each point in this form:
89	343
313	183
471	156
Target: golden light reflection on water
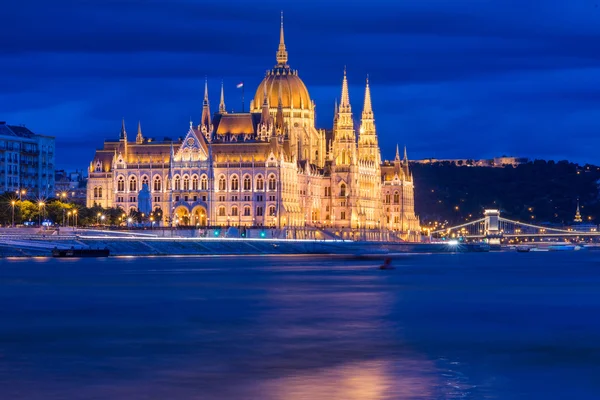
408	379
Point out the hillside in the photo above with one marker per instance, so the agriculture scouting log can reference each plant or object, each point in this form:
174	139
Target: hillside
538	191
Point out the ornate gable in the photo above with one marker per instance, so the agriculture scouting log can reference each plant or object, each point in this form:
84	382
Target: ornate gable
192	148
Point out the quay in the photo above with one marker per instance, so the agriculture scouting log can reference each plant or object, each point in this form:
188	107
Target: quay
21	244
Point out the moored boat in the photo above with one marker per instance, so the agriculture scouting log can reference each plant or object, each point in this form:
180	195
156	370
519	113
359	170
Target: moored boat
61	253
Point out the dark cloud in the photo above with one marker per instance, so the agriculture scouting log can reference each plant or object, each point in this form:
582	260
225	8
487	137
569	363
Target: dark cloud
449	79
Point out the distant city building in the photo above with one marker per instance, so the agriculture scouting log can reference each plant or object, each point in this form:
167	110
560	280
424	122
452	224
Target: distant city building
71	186
26	162
577	214
268	167
497	162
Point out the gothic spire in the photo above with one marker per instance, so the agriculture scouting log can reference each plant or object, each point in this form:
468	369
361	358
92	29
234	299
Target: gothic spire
405	156
367	109
282	56
397	153
279	115
139	139
205	121
345	102
222	108
123	131
265	106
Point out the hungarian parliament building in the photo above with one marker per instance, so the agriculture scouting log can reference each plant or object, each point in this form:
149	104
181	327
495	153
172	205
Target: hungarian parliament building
270	167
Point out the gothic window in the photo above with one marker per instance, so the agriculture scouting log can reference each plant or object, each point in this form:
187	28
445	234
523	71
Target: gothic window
96	192
186	183
272	183
387	198
121	184
260	183
343	215
195	182
222	183
272	211
343	190
234	211
247	182
259	211
132	184
177	183
100	192
396	198
157	186
204	183
144	180
247	211
221	211
235	184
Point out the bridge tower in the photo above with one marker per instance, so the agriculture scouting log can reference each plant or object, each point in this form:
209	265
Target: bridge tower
492	226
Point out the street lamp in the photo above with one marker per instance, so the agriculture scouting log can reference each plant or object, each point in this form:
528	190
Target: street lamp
75	218
68	217
129	221
40	205
98	218
21	192
12	203
102	218
151	223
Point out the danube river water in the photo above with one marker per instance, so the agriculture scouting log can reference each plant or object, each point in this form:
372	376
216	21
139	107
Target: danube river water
443	326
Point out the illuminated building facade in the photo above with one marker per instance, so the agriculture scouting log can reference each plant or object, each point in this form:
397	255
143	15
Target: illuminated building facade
268	167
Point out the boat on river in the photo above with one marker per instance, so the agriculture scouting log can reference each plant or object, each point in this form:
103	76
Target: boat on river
62	253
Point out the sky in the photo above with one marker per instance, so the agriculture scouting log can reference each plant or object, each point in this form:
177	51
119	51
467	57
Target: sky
449	79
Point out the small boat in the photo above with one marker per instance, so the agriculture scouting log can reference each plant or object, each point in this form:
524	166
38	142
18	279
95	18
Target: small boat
57	253
561	247
523	249
387	264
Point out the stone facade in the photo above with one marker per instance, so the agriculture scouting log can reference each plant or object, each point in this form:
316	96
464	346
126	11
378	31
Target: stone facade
270	167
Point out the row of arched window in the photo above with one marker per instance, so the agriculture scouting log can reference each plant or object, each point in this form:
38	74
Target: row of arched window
396	198
200	184
234	184
234	212
98	192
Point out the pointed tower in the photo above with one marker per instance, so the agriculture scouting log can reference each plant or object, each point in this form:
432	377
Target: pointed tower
123	138
222	109
368	146
282	55
577	214
139	139
344	137
205	120
405	164
279	122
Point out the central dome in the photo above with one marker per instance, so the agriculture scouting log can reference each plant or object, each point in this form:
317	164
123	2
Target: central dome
282	81
285	82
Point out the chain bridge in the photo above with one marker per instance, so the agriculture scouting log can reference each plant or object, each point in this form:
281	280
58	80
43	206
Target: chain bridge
492	227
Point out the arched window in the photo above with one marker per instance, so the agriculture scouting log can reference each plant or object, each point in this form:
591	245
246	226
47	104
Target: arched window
186	183
247	183
272	211
272	183
221	211
204	183
157	186
396	197
145	180
246	211
195	182
343	189
234	211
96	192
132	184
121	184
222	183
235	183
100	192
260	183
177	183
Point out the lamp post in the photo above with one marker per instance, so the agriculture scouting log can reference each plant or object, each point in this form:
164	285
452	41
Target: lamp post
129	222
102	218
12	203
68	217
40	206
21	192
151	223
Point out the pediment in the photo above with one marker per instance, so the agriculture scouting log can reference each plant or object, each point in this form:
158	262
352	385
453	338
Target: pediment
192	148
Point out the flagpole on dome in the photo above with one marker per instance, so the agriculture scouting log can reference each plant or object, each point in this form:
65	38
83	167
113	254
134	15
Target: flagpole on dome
241	85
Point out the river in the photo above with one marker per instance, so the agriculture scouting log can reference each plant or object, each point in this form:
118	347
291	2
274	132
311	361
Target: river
440	326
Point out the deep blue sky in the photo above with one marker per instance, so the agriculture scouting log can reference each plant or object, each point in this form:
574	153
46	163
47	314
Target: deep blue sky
450	79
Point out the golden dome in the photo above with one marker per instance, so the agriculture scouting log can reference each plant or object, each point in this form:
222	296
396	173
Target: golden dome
284	81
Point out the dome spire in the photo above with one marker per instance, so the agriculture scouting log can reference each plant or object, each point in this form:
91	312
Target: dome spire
345	102
139	139
282	56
